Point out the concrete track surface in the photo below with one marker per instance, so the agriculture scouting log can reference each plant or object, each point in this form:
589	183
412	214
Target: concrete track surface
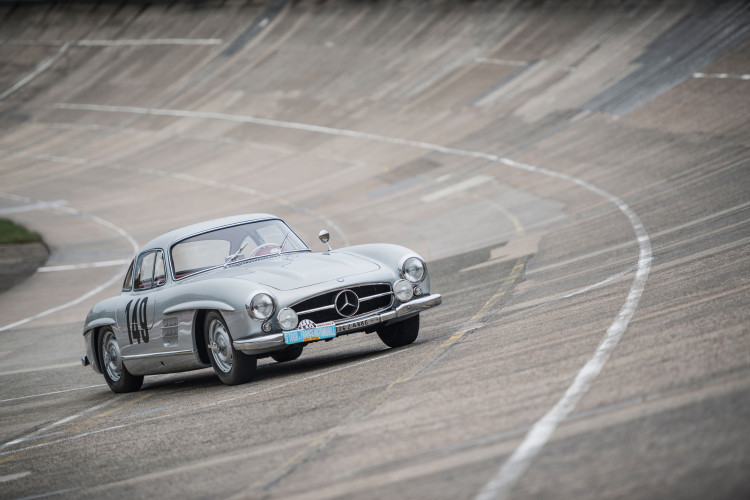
576	173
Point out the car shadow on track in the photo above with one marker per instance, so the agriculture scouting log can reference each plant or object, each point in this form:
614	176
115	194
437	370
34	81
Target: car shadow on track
267	372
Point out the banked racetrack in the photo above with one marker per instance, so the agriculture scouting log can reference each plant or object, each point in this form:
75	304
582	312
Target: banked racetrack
577	175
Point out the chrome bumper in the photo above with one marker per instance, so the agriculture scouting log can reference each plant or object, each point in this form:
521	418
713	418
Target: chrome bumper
275	341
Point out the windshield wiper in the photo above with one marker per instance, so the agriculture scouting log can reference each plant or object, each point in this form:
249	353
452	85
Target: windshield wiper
236	254
281	247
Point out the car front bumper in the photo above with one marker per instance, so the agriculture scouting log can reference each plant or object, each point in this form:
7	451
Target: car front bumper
275	341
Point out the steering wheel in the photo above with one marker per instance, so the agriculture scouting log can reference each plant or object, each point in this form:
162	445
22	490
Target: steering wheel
264	246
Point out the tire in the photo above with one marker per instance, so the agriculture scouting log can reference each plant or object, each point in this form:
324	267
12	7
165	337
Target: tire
233	367
118	378
400	334
289	354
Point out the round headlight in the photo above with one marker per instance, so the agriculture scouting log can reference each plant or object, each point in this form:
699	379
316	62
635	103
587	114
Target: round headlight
287	319
413	269
403	290
261	306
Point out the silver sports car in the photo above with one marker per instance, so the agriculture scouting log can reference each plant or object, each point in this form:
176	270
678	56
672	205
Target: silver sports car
225	292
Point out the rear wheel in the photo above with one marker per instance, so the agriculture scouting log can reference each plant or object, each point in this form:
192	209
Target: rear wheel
400	334
233	367
289	354
118	378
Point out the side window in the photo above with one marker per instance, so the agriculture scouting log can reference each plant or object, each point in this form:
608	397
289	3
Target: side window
160	276
144	271
128	283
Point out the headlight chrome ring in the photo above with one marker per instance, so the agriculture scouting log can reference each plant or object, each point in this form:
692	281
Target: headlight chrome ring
288	319
403	290
260	306
413	269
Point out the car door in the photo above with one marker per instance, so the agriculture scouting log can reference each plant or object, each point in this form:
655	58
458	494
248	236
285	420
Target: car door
136	309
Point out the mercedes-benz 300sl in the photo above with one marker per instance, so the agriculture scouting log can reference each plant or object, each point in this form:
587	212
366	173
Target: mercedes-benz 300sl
226	292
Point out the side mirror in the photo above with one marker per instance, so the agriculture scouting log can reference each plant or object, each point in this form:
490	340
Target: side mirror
324	237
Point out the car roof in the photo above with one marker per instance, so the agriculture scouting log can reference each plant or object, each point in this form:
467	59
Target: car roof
167	239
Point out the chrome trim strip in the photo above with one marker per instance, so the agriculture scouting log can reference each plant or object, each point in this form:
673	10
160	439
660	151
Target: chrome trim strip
260	344
199	304
310	311
371	297
419	304
157	354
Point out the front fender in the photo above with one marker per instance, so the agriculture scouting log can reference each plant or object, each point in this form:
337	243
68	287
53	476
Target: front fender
200	304
390	257
97	323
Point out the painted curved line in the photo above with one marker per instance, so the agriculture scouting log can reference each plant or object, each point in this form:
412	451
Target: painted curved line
184	177
36	71
512	470
117	229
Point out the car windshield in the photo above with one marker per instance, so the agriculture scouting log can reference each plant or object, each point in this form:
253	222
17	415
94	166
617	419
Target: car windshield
223	246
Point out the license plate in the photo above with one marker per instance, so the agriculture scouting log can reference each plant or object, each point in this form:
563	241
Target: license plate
320	332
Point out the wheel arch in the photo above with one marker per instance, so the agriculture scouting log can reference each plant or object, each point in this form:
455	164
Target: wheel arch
199	338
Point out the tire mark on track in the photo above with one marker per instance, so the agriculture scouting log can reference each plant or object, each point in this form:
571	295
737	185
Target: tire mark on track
70	430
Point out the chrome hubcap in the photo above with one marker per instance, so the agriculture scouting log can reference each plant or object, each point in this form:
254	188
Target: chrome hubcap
111	356
220	344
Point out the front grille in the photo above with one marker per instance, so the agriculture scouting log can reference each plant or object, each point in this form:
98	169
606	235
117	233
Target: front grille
321	308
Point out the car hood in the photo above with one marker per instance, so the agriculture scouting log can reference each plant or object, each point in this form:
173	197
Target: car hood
299	270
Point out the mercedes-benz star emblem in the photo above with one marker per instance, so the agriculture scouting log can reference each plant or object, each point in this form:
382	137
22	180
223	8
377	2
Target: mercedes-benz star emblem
347	303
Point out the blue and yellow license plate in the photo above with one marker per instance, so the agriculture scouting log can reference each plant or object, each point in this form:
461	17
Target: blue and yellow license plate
320	332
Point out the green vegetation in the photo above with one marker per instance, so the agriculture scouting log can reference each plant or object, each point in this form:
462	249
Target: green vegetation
13	233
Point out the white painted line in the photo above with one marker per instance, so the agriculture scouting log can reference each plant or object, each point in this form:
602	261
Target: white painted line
501	62
51	393
65	420
11	477
120	43
90	293
32	206
185	177
212	404
146	42
38	369
114	279
103	43
509	474
33	438
721	76
458	187
74	267
599	284
502	483
39	68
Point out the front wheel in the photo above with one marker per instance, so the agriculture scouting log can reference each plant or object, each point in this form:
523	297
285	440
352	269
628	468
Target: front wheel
400	334
118	378
233	367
